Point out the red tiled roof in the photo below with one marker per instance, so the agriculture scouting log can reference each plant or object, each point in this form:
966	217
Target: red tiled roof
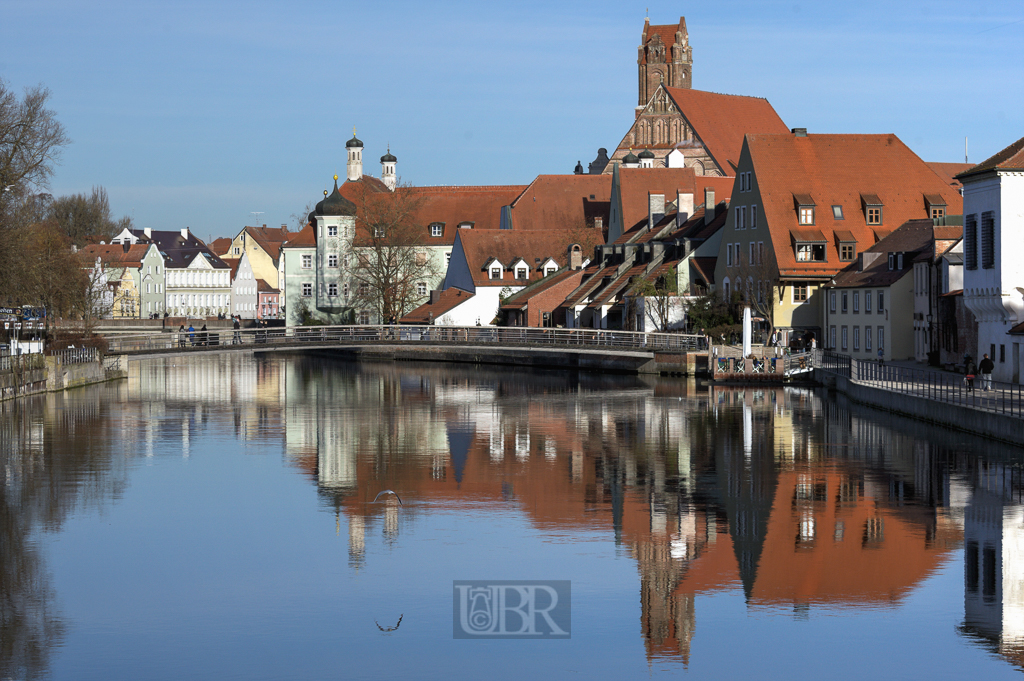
221	246
233	264
593	276
448	299
911	238
559	201
507	246
721	121
114	255
305	238
521	299
838	170
270	238
263	287
480	205
1010	158
949	171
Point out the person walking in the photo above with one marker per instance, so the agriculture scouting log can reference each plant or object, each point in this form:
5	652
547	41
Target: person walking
986	366
191	334
969	373
238	334
181	336
203	335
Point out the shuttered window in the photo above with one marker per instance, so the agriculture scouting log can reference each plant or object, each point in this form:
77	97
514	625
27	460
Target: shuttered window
988	240
971	242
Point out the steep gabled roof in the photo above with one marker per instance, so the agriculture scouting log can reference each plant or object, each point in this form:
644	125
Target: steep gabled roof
949	171
839	170
912	238
1010	158
221	246
721	121
306	238
535	247
562	201
446	301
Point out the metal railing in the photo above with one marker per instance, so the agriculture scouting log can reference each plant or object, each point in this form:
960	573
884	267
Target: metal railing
941	386
76	355
297	335
22	362
761	364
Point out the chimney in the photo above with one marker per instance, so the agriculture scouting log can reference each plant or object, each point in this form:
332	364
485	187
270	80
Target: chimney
655	209
599	224
435	296
799	132
684	207
125	245
184	233
867	259
575	257
148	232
709	205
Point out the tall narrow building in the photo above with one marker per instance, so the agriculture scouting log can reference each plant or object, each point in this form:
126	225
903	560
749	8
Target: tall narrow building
665	56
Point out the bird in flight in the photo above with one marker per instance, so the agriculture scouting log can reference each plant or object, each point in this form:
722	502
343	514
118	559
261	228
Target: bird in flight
388	491
394	628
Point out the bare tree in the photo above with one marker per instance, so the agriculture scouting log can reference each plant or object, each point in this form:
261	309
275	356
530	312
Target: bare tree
661	303
390	258
87	218
760	287
31	138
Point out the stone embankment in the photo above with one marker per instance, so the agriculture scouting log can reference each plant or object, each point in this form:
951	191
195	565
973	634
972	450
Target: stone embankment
31	374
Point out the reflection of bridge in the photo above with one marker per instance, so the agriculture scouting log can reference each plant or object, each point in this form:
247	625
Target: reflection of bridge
627	351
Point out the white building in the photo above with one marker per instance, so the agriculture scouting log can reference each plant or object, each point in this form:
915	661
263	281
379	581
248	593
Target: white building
994	255
244	289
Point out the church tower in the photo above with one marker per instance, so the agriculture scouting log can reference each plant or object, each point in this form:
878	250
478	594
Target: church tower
664	56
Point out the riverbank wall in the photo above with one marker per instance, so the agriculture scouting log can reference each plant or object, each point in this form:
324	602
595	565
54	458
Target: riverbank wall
990	424
32	374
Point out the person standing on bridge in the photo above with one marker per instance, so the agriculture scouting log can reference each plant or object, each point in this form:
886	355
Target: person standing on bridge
181	336
985	366
238	334
191	334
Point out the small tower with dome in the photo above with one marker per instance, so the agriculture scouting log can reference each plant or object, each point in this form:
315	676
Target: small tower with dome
355	157
387	169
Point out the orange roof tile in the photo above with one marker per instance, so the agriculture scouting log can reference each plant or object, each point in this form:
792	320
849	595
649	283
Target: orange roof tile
839	170
114	255
1010	158
305	238
949	171
507	246
559	201
447	299
721	121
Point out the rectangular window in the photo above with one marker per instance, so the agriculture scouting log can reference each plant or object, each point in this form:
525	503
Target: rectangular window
760	252
753	216
332	261
521	273
867	337
1002	354
307	262
845	338
845	301
837	212
421	288
881	338
364	317
436	229
832	337
379	232
938	213
800	293
236	250
307	290
856	302
496	273
753	254
881	304
806	215
971	242
874	215
332	230
332	289
728	255
988	240
810	252
867	301
447	258
832	302
846	252
344	289
741	213
856	338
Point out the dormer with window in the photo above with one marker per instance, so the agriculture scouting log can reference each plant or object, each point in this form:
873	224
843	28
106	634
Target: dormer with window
808	245
466	224
521	269
436	229
804	208
936	206
549	266
846	244
495	270
872	208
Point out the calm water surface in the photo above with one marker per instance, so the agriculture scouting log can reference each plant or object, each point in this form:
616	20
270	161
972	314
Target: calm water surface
213	518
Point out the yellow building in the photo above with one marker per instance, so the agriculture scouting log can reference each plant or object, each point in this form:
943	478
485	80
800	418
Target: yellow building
263	245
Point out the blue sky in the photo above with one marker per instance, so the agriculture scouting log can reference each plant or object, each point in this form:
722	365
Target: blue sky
201	113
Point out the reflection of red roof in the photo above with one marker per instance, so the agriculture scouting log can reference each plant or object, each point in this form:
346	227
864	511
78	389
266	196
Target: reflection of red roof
721	121
447	300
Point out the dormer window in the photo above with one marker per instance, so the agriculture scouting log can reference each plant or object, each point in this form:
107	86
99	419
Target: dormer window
522	272
872	209
936	206
437	229
846	244
495	271
805	208
892	261
808	245
837	212
379	232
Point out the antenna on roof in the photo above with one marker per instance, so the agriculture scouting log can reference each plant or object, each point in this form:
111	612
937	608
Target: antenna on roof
965	149
257	213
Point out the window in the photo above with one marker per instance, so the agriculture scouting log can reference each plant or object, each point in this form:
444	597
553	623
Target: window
845	300
881	338
728	255
938	212
421	288
874	215
856	338
867	337
806	215
832	337
753	254
332	230
307	290
846	252
832	302
550	270
521	273
988	241
437	229
892	261
881	304
867	301
332	289
971	242
364	317
344	290
332	260
307	262
741	213
837	212
447	258
800	293
364	289
845	338
856	302
496	272
1002	354
899	261
379	232
810	252
237	250
760	252
753	217
725	290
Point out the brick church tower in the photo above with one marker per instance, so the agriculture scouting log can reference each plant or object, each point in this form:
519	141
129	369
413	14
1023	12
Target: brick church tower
664	56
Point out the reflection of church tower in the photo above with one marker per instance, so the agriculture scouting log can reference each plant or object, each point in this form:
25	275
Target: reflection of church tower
664	56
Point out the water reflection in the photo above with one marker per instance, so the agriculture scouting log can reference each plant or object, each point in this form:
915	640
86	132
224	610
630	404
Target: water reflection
798	503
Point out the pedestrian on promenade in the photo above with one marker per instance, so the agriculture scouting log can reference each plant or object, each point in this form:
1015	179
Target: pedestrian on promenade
203	335
191	334
181	336
238	334
881	357
986	366
969	373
